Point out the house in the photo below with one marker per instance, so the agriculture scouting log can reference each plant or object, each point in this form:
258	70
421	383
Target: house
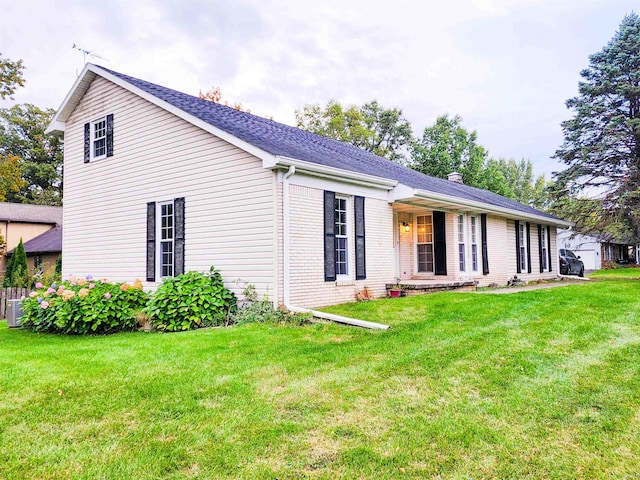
28	222
596	248
158	182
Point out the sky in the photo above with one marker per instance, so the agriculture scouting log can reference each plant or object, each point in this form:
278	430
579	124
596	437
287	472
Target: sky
505	66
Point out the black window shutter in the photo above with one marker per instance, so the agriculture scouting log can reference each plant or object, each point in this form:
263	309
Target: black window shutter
439	243
549	246
528	227
329	236
151	242
518	246
87	142
110	135
361	269
485	250
540	247
178	240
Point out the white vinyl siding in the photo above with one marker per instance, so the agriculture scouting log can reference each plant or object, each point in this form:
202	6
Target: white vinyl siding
160	156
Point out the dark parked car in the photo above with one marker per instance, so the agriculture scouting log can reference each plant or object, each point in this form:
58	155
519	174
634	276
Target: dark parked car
570	264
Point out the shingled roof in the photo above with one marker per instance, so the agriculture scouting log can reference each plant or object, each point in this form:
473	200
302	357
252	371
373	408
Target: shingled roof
286	141
26	213
48	242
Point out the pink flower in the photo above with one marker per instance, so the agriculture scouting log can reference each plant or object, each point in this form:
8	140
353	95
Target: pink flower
44	304
32	294
107	295
50	290
92	285
39	285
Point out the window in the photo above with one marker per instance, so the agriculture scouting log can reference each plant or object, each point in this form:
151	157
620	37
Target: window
544	257
522	246
474	243
461	246
424	243
166	240
342	238
99	138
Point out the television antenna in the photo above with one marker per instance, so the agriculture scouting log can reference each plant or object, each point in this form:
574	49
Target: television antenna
86	53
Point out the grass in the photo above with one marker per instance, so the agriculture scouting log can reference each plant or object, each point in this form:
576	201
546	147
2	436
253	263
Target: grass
538	384
624	273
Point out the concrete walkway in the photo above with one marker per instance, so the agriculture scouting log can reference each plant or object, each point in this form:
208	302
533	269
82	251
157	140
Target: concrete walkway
563	282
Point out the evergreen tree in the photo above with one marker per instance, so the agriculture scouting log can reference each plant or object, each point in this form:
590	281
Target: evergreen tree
17	272
602	141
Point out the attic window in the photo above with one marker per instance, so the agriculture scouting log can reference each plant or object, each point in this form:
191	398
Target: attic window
99	138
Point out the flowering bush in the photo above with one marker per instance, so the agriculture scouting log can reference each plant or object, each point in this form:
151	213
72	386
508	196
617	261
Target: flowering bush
191	300
81	306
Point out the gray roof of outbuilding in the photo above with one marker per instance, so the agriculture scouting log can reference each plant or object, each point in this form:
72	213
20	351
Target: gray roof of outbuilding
27	213
283	140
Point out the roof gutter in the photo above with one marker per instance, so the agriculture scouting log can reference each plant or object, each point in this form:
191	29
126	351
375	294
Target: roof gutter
427	195
324	171
287	267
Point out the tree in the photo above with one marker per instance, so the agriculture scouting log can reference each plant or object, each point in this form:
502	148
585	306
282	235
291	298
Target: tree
520	184
10	178
447	147
10	76
602	140
17	272
382	131
215	95
40	156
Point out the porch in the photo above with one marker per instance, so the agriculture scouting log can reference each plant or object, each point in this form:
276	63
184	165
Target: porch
421	287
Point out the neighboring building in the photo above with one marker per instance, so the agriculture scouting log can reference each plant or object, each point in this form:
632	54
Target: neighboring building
20	220
158	182
595	248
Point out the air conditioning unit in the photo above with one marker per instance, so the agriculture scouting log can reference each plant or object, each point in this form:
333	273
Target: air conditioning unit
14	313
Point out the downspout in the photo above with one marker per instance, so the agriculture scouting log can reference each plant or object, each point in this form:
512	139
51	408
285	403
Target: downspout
286	229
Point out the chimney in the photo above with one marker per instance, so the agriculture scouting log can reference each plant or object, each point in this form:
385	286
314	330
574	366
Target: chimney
455	177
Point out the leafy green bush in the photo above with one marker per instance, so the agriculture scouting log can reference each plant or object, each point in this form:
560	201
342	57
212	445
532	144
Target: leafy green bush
83	306
191	300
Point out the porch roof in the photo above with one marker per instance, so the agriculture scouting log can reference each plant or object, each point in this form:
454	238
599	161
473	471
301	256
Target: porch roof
410	200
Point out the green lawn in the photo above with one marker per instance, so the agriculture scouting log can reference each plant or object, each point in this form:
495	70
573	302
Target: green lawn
538	384
624	273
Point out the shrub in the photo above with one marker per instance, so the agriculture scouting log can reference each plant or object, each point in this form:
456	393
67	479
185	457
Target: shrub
262	311
609	265
191	300
83	306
